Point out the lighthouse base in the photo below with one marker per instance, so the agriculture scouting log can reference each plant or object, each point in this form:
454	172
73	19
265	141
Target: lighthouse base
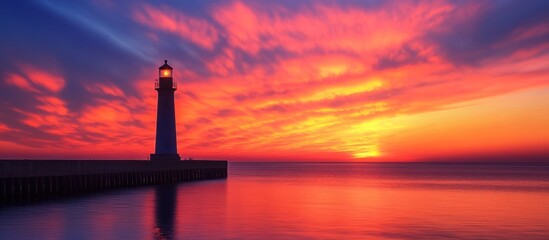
165	157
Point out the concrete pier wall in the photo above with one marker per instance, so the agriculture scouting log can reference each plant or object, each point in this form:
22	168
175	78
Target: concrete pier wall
24	180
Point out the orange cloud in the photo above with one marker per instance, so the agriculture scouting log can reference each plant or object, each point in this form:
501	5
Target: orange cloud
327	102
320	82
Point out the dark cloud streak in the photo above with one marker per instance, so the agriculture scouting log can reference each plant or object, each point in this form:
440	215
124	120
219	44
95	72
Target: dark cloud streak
489	34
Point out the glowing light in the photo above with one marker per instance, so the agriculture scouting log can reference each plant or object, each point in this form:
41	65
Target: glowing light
166	73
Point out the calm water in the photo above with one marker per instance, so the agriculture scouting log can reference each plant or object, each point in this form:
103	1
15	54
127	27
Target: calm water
307	201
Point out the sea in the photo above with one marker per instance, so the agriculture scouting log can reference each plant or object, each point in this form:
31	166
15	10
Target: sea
307	201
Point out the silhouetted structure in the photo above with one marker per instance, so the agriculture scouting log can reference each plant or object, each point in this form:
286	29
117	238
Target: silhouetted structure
24	180
166	139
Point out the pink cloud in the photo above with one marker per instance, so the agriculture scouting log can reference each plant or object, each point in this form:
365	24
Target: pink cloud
196	30
105	89
324	82
35	80
43	79
327	27
20	82
4	127
52	105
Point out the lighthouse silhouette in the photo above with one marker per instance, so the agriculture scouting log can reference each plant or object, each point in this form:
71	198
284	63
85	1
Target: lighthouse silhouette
166	138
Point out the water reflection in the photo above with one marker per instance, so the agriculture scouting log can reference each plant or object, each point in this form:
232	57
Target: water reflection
308	201
165	206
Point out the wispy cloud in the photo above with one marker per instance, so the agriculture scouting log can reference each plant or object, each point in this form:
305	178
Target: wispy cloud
267	80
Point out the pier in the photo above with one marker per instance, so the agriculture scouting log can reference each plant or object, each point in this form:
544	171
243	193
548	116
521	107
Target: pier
27	180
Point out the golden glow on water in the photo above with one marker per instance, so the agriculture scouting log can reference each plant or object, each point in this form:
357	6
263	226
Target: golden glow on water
309	201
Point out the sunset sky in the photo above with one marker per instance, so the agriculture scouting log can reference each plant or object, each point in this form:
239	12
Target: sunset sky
277	80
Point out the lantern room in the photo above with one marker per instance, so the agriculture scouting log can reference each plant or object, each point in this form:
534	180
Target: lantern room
165	71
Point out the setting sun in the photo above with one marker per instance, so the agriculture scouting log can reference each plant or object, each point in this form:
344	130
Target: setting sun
261	119
401	81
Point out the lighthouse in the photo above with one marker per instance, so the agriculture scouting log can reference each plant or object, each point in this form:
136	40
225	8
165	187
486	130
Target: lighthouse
166	138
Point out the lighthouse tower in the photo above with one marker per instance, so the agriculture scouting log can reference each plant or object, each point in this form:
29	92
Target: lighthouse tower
166	139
